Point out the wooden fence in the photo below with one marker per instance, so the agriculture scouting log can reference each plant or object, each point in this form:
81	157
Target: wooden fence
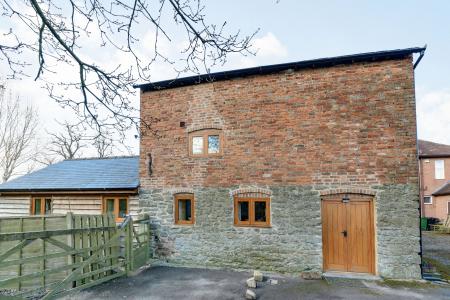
63	254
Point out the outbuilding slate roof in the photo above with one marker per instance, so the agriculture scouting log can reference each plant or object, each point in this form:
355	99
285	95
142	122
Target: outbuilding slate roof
430	149
91	174
444	190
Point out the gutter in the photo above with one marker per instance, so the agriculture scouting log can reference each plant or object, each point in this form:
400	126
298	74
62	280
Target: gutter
72	191
422	53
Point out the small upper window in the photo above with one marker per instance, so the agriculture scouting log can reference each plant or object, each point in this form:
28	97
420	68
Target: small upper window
184	209
252	211
205	142
427	200
41	206
439	171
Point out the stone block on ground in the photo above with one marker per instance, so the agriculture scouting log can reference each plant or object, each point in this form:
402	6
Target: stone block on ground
258	276
273	281
251	283
311	275
249	294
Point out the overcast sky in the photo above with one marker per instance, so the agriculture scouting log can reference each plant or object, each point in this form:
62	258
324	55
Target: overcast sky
299	30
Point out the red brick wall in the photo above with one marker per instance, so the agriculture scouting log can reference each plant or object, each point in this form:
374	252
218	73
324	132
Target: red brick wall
429	184
350	124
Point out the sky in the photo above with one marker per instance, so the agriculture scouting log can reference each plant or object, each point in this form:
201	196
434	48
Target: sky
299	30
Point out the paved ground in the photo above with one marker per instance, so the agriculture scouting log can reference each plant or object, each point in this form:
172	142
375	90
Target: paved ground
436	251
186	283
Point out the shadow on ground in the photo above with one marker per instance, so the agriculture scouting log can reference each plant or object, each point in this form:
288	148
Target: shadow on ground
187	283
436	252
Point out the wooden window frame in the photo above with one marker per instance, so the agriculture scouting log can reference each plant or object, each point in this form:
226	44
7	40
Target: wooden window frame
251	220
204	133
184	196
431	200
42	208
116	205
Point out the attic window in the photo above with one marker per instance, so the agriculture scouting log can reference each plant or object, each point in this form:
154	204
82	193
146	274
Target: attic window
206	142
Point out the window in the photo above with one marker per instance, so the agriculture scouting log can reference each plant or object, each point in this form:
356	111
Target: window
118	206
427	200
439	172
252	211
206	142
448	208
41	206
184	209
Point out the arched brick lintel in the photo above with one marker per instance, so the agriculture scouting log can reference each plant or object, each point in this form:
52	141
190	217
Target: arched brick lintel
351	190
251	190
182	191
198	127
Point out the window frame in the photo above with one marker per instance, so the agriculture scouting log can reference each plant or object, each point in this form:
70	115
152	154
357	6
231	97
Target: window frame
436	169
116	205
431	200
176	217
205	133
251	220
42	208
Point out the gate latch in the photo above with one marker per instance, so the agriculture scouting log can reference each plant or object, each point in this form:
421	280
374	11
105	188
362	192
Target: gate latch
344	233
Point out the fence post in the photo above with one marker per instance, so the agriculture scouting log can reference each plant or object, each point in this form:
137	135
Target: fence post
129	243
70	240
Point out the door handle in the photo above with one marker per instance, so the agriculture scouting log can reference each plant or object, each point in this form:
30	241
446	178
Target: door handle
344	233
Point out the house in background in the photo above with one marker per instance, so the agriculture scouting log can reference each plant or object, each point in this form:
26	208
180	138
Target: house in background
434	161
304	167
82	186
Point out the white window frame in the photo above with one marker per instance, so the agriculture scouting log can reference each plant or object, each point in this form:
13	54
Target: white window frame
431	200
439	170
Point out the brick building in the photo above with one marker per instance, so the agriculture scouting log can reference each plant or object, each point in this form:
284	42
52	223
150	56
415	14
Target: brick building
304	167
434	164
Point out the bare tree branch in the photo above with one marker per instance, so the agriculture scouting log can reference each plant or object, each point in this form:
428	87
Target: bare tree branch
18	124
67	144
99	92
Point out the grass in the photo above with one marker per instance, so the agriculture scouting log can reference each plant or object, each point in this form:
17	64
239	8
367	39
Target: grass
393	283
444	270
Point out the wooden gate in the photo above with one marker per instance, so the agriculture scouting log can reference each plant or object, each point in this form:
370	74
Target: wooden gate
63	254
348	233
137	242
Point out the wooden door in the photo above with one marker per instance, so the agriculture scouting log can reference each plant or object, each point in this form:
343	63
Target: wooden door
348	233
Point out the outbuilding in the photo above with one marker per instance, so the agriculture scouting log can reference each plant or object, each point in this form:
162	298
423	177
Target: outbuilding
82	186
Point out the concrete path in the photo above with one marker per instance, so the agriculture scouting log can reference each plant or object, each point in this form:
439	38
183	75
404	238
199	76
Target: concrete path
187	283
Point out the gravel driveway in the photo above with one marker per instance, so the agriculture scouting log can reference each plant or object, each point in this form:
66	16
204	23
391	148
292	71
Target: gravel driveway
186	283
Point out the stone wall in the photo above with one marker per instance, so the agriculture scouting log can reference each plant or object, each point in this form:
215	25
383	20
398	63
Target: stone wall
293	244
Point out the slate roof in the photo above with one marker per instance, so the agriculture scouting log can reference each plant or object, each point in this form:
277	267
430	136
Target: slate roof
92	174
270	69
430	149
444	190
